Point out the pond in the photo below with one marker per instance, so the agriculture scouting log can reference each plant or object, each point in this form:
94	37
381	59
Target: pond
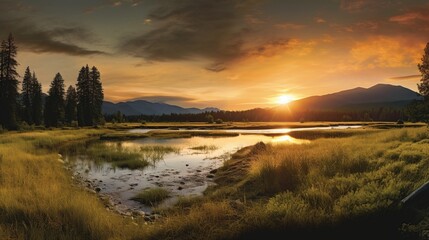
180	165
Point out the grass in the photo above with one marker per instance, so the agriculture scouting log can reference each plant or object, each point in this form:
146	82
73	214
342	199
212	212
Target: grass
38	199
152	196
119	156
348	187
204	148
330	188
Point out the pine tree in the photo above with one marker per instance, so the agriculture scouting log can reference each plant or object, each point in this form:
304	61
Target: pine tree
83	95
424	70
90	97
97	96
8	84
54	105
37	102
71	105
27	97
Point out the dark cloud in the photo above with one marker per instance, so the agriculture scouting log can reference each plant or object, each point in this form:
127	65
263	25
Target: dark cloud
55	40
112	3
163	99
360	5
270	48
409	77
14	6
188	29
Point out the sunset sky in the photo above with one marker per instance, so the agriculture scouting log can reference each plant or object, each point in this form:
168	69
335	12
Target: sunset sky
231	54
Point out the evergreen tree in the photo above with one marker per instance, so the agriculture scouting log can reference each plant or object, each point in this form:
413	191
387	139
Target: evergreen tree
71	105
83	96
27	97
54	105
97	96
90	97
424	70
8	84
37	102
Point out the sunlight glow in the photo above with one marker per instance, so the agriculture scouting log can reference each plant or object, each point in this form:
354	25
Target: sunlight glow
284	99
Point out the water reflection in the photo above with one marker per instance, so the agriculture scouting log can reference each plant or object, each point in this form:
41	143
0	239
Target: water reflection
182	165
289	139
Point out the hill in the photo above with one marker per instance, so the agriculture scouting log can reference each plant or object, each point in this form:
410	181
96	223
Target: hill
380	95
142	107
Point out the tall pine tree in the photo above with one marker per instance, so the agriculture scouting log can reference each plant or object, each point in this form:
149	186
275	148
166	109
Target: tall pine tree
37	101
54	105
71	105
90	97
8	84
97	95
424	70
27	97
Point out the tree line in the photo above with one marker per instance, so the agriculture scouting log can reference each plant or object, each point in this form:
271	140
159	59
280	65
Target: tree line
80	105
270	115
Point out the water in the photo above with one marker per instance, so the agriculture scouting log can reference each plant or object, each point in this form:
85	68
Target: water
185	172
257	131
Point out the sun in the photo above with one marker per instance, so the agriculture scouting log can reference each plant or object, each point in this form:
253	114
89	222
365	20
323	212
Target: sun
284	99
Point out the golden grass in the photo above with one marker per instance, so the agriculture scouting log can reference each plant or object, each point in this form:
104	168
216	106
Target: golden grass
38	199
336	188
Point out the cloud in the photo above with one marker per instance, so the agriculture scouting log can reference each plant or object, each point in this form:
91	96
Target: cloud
112	3
361	5
384	51
32	38
289	26
213	30
415	17
271	48
409	77
14	6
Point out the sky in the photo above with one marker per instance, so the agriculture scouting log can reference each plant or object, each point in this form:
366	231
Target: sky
230	54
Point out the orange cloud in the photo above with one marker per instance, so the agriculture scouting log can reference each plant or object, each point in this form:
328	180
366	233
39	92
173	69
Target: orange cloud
289	26
412	17
388	52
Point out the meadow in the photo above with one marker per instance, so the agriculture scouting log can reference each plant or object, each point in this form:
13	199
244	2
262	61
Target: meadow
341	186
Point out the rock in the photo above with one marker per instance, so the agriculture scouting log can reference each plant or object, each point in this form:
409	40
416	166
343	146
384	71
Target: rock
134	184
213	171
210	176
198	170
183	183
187	165
97	189
179	188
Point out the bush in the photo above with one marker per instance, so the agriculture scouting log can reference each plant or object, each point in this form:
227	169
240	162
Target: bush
219	121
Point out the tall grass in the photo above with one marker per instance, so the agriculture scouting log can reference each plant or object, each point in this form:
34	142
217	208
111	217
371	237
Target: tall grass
38	199
341	188
152	196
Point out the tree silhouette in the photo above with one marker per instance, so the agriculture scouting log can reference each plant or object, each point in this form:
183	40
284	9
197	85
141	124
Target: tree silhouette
8	83
90	97
71	105
27	97
424	70
54	106
37	101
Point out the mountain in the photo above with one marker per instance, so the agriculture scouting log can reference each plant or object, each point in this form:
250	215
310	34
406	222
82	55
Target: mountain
142	107
380	95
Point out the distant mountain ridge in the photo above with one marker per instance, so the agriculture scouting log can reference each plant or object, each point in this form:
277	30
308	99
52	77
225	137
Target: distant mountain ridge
142	107
376	96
